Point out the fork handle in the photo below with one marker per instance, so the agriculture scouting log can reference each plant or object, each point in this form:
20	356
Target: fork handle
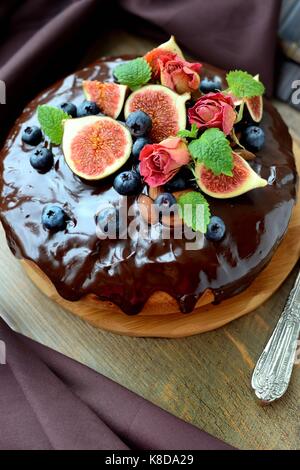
273	370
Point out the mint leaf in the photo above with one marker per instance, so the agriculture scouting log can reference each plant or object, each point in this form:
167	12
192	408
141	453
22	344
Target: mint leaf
214	151
50	119
243	85
134	73
195	211
186	134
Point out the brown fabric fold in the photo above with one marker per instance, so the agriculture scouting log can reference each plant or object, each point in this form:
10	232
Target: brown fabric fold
228	34
49	401
40	41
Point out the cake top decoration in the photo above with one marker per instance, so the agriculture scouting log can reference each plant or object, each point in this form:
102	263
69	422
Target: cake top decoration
172	120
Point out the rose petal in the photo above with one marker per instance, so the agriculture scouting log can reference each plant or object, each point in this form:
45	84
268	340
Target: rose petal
196	67
166	79
213	110
229	117
170	142
207	113
179	75
160	162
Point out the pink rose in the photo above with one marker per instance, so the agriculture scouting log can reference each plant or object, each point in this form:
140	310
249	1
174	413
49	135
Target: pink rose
179	75
155	56
160	162
213	110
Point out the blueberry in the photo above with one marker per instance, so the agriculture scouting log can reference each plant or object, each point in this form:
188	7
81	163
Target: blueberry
32	135
178	183
216	229
54	218
87	108
42	159
138	145
164	202
139	123
182	180
211	85
128	183
253	138
108	222
69	108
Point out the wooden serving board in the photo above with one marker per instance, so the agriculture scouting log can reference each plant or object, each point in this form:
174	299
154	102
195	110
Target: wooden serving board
160	317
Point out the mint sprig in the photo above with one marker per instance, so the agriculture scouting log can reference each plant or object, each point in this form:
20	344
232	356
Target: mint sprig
195	211
134	73
186	134
243	85
51	121
214	151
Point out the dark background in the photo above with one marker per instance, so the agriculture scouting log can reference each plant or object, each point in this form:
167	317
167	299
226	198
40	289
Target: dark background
41	41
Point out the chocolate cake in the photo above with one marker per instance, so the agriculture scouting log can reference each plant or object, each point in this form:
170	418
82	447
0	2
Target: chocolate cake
127	271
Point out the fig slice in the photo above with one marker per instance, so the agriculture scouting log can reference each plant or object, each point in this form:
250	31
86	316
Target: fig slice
244	179
254	105
165	107
255	108
236	101
109	97
95	146
171	46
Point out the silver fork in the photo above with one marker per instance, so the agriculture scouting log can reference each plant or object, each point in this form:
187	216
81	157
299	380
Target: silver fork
272	373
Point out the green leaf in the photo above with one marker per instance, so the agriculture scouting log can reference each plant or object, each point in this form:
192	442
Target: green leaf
186	134
50	119
195	211
134	73
243	85
214	151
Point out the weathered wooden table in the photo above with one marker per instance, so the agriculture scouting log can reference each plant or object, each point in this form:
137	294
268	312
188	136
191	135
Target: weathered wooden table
203	379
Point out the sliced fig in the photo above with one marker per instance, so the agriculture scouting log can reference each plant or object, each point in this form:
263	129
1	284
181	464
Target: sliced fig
95	146
255	108
109	97
236	101
169	48
244	179
254	105
165	107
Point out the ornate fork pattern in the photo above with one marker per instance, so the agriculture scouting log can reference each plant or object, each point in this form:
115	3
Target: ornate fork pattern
273	370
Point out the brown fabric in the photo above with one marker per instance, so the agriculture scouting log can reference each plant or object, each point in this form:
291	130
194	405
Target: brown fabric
228	34
49	401
40	41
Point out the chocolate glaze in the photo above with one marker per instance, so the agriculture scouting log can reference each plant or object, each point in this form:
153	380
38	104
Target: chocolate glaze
128	272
